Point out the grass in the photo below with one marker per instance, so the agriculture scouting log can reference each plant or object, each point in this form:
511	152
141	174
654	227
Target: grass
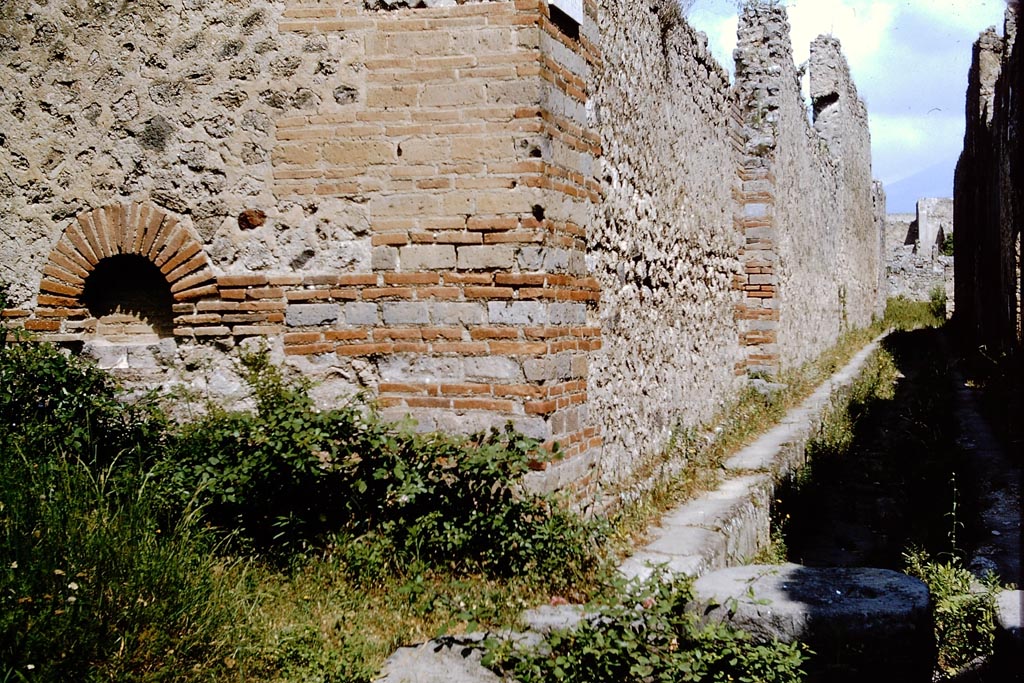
118	563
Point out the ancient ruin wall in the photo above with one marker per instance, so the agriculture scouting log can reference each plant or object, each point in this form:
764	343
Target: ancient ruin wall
664	243
107	102
915	265
988	195
810	214
464	208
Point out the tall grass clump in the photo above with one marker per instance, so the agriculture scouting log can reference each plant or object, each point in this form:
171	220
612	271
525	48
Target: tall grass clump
903	314
95	587
97	582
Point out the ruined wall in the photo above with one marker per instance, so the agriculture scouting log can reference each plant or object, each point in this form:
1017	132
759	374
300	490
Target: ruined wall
915	267
934	222
477	211
812	233
664	244
989	200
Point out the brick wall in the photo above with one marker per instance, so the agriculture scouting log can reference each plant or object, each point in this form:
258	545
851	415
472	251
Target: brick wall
475	212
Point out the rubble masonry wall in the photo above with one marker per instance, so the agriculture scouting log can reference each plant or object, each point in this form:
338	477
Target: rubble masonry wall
988	200
475	211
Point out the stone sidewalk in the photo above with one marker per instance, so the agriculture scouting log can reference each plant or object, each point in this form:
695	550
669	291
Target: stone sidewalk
728	526
721	528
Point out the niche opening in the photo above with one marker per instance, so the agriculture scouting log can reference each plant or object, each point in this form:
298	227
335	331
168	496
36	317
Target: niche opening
130	299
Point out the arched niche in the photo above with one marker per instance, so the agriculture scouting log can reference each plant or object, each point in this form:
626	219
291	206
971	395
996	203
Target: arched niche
129	299
125	266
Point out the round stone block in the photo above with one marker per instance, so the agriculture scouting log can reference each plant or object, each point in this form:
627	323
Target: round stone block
859	622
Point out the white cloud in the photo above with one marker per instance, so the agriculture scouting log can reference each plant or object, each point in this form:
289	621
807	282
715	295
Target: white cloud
974	13
861	27
904	144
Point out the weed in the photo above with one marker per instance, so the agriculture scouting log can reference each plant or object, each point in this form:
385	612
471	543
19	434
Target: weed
937	302
643	631
963	607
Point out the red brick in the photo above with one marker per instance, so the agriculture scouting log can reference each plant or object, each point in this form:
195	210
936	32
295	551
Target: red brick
483	404
242	280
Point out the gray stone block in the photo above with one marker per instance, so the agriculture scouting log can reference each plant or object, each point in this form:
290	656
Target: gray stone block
358	313
457	313
517	312
861	623
446	661
301	315
1009	641
406	313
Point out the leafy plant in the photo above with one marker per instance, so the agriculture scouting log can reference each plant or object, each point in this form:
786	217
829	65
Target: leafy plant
963	607
290	475
937	302
946	249
644	632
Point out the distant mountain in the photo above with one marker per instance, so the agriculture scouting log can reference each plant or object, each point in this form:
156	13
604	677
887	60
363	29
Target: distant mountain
934	181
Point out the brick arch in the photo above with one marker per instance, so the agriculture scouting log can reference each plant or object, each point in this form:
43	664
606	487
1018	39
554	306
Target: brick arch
142	229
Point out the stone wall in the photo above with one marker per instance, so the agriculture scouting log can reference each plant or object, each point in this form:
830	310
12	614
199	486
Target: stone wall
915	267
663	245
813	232
476	211
989	201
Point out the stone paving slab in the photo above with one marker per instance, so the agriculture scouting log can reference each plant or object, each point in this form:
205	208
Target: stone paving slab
444	661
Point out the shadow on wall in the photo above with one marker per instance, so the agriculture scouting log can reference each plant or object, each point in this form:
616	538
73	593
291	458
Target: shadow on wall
129	298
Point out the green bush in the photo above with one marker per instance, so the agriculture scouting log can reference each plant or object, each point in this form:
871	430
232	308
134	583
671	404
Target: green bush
963	607
645	633
290	475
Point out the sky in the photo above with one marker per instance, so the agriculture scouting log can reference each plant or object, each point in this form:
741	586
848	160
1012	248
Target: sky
909	59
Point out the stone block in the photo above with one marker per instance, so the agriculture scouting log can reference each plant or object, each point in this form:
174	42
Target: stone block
384	258
517	313
419	369
300	315
427	257
493	367
359	152
358	313
486	257
861	623
567	314
1009	640
458	313
453	95
406	313
445	661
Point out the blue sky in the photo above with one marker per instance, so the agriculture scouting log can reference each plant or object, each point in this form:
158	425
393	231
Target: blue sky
909	59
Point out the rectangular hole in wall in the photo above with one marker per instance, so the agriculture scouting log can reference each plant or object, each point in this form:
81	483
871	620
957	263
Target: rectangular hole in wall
565	23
